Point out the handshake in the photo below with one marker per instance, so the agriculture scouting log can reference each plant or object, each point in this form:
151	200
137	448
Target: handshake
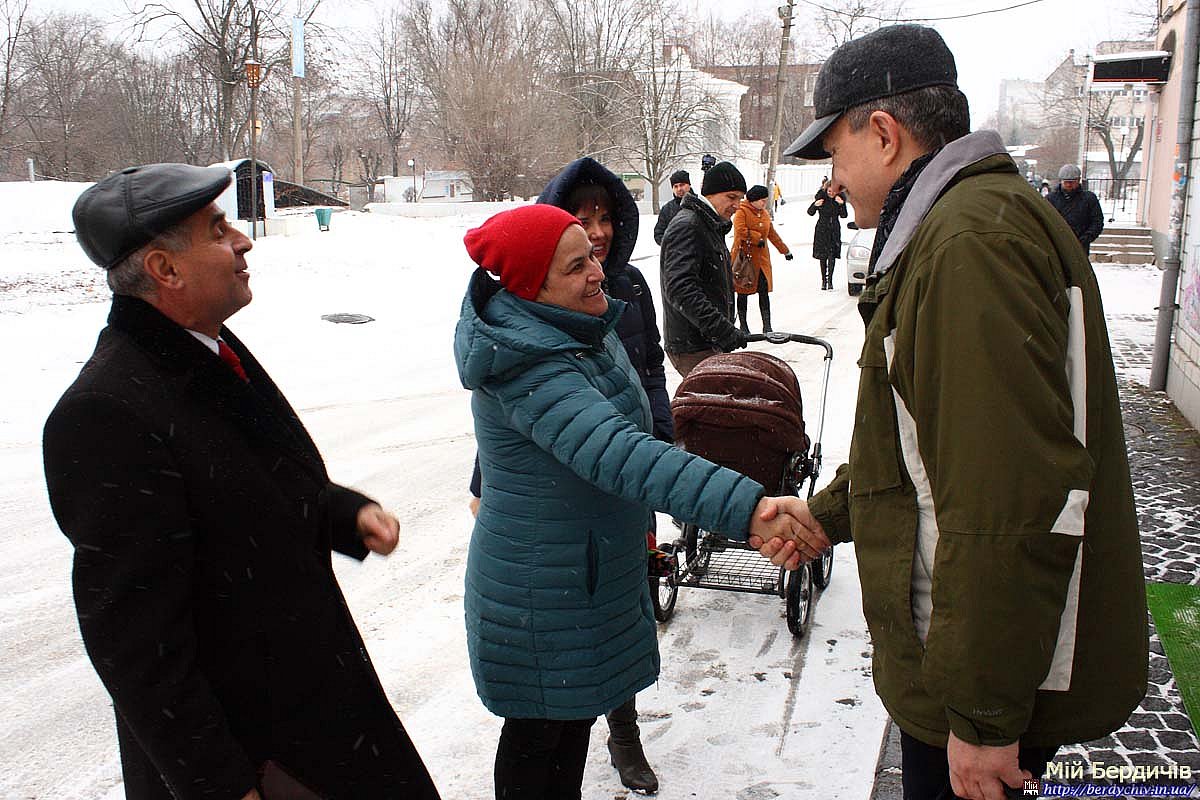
783	530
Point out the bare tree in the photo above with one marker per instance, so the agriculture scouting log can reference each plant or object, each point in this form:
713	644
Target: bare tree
65	62
222	35
839	21
674	116
1109	117
13	13
390	80
594	45
483	63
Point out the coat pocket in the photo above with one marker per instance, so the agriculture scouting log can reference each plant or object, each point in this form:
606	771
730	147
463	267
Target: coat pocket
874	449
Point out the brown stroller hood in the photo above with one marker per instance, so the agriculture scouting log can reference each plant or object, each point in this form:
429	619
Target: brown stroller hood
742	411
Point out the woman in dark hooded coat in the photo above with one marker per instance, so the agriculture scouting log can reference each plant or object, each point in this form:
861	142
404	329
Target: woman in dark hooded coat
607	211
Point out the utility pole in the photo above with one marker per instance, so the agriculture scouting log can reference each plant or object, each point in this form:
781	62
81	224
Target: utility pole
253	78
785	13
297	100
1085	115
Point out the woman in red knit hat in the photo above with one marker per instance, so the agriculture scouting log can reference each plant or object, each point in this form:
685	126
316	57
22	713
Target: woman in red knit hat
560	628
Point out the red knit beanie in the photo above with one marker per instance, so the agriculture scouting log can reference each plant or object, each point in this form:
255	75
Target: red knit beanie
519	245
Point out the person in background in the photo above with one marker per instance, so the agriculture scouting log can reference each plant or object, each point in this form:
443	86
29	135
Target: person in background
696	275
988	492
1045	189
1079	207
606	210
203	521
560	627
778	199
752	229
681	184
829	206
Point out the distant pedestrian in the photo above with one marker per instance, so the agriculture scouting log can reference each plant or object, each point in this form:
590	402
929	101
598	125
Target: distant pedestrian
827	237
1079	207
1045	189
988	492
777	197
681	184
697	279
752	229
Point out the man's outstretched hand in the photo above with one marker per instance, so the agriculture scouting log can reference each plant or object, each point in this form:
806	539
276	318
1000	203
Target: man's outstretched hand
783	530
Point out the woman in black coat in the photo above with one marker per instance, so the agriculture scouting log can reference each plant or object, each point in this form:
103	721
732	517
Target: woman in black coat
609	214
827	239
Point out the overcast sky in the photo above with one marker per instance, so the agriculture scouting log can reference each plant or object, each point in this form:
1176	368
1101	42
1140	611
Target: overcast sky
1026	42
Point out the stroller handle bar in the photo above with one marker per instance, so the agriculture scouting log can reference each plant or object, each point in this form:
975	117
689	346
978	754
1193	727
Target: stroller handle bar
780	337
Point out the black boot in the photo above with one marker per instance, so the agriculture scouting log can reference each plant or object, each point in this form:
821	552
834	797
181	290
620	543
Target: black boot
625	749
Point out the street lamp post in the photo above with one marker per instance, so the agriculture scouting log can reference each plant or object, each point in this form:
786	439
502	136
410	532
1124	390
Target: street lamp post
785	14
253	79
412	164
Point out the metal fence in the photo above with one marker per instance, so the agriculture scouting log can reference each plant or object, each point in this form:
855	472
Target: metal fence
1118	197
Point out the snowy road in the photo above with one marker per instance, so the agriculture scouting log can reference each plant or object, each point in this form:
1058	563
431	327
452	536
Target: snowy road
741	709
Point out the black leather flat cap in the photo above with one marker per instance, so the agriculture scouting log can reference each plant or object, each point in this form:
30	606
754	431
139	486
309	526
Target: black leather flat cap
885	62
129	208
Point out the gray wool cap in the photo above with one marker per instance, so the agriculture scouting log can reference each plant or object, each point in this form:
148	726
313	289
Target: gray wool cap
1069	172
886	62
126	210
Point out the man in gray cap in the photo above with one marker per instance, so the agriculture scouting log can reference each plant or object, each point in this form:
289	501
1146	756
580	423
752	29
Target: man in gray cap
987	493
203	522
697	279
1079	207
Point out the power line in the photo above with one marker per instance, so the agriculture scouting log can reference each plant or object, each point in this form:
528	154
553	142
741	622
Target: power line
843	12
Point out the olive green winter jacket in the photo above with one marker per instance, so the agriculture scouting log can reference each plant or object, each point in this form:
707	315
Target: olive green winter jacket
988	492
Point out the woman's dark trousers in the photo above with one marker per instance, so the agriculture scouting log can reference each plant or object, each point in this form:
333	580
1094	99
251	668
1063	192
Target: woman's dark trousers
542	759
764	306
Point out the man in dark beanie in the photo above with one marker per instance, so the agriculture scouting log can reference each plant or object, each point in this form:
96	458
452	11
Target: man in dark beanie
204	521
988	450
697	280
681	184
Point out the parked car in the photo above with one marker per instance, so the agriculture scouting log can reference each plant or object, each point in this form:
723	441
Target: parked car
858	254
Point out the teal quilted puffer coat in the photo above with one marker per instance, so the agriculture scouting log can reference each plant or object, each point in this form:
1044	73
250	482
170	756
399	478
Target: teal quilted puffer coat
559	621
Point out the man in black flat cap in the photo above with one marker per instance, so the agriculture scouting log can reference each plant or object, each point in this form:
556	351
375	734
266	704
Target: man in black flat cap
988	492
697	279
681	184
203	522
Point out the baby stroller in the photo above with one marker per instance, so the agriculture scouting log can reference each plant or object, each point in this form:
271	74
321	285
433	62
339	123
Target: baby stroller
744	411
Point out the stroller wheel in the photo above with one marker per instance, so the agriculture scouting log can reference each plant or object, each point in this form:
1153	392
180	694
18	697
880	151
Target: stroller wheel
664	590
799	600
823	569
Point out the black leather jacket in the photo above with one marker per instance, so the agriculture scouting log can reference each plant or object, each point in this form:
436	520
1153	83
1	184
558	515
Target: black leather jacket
697	280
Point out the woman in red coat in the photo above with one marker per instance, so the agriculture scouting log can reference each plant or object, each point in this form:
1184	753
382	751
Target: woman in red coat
751	230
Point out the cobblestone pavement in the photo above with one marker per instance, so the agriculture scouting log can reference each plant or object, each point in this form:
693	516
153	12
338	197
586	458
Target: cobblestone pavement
1164	461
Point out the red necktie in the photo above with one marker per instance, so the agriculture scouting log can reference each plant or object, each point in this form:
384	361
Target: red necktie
231	359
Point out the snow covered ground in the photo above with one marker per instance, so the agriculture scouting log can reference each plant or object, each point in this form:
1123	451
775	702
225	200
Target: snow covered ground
742	710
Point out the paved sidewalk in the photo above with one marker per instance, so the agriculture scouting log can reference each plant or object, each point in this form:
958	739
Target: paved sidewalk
1164	461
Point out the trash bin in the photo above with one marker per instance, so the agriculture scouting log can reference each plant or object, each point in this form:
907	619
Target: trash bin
323	215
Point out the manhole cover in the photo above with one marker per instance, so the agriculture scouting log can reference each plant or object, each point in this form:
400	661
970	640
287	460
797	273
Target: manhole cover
1133	431
349	319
